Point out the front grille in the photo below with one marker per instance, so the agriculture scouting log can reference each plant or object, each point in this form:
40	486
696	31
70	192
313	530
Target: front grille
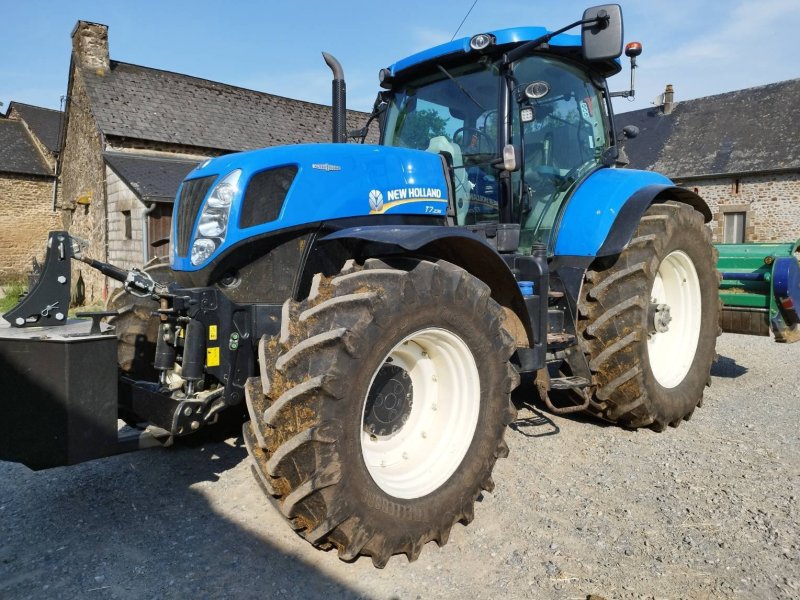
265	194
192	194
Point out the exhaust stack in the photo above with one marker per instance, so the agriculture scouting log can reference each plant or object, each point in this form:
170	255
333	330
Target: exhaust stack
338	101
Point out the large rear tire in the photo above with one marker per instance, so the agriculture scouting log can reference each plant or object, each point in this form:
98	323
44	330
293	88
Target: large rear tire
382	406
649	321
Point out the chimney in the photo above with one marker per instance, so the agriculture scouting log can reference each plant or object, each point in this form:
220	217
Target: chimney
668	100
90	46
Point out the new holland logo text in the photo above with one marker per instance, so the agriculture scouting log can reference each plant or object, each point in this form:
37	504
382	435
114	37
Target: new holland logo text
406	195
414	192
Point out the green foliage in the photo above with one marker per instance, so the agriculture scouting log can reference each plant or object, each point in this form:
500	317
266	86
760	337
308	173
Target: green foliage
420	126
11	291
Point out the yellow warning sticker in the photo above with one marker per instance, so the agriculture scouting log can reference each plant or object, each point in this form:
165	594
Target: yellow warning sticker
212	333
212	357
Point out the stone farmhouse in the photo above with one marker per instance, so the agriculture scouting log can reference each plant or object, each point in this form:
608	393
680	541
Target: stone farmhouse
29	142
739	150
132	133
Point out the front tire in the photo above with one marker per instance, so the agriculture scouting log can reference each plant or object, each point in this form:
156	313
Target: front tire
135	326
382	406
649	321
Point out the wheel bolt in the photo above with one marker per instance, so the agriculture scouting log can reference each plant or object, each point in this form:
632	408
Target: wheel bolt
424	435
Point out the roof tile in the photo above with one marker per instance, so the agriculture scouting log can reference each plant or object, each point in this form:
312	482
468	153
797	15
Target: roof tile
144	103
750	130
17	151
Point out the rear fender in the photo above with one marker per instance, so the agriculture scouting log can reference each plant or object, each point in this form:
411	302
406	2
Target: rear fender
601	216
455	245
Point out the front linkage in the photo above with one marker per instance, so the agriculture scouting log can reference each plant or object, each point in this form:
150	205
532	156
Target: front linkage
204	351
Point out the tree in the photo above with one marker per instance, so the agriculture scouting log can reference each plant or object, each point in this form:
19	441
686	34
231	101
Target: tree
420	126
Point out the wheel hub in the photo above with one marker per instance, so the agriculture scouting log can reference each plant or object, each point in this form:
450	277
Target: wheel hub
658	318
389	401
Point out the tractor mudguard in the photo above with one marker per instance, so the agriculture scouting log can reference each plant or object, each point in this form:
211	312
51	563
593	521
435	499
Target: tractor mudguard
601	216
455	245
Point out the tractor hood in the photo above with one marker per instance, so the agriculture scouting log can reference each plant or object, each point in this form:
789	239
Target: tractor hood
227	200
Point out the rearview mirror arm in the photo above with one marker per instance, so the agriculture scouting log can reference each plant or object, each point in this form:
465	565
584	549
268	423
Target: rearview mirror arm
520	51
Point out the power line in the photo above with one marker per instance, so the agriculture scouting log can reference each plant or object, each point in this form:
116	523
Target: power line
464	19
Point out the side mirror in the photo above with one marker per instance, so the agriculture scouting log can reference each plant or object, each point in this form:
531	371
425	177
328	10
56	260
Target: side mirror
601	32
510	159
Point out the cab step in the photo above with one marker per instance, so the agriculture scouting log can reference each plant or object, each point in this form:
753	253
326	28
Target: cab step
569	383
560	339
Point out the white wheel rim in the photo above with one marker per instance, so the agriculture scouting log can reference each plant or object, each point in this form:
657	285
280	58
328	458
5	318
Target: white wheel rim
672	352
426	450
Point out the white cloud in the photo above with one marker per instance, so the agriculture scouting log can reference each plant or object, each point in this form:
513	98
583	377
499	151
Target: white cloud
723	46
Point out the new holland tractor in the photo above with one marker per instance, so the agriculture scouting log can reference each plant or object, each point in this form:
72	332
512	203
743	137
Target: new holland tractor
367	310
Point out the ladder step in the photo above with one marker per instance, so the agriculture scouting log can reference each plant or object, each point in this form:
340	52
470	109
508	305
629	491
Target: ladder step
569	383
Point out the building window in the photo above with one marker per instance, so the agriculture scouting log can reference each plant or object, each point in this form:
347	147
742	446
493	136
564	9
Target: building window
737	186
128	227
734	228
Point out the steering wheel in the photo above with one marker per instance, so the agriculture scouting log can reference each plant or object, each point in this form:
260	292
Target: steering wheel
460	136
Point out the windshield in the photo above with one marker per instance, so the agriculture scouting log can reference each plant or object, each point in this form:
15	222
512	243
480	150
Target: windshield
564	140
454	111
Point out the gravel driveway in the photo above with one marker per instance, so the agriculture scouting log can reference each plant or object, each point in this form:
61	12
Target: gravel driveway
708	510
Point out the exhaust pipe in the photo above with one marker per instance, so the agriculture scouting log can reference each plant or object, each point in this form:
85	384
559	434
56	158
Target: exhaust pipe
339	100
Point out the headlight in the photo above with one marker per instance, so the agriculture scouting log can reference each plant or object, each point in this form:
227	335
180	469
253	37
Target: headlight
482	41
202	250
212	226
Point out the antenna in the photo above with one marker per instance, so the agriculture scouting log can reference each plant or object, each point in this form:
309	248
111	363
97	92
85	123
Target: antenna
463	20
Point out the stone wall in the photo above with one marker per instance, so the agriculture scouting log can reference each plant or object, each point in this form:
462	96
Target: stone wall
771	204
82	193
26	216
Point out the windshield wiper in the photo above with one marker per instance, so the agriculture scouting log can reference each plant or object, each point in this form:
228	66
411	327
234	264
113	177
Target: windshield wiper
461	87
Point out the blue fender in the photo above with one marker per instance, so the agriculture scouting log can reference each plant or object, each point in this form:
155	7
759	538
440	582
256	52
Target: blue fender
455	245
600	217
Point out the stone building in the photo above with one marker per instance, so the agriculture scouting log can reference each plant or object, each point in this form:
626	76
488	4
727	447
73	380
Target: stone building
29	141
739	150
132	133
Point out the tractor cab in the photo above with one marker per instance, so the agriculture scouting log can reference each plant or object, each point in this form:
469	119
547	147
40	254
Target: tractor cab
528	88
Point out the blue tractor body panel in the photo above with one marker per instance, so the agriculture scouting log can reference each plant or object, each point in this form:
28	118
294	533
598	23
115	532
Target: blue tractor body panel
592	210
503	36
333	181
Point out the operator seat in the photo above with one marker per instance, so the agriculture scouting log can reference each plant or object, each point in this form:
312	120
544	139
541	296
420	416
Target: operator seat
462	184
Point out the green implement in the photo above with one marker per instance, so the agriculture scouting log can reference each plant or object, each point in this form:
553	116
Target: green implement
760	289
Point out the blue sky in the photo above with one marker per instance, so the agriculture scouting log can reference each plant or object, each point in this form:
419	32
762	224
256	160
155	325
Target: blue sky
701	47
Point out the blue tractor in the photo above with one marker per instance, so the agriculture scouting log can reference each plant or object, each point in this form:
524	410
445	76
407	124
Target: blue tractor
368	309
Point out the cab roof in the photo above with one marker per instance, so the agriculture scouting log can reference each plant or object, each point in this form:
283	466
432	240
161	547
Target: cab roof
504	37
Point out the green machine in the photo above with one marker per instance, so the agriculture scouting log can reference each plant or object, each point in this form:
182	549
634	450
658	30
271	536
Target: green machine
760	289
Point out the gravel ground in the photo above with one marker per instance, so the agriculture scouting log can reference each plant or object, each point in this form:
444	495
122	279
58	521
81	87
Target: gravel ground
708	510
